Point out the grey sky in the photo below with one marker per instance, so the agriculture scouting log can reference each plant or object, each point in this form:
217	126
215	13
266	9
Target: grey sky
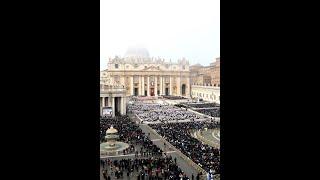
170	29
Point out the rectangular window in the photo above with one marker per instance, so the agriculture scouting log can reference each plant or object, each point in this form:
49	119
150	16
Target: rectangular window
116	66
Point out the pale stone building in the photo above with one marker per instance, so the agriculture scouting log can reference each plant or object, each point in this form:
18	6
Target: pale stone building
215	81
207	93
201	75
205	81
142	75
206	75
113	96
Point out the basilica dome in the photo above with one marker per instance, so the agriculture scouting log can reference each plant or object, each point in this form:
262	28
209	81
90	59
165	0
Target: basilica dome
136	52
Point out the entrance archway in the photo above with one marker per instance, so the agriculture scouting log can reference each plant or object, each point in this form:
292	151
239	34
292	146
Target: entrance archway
183	88
117	106
167	92
136	91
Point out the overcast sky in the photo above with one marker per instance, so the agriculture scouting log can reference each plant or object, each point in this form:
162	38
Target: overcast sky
167	28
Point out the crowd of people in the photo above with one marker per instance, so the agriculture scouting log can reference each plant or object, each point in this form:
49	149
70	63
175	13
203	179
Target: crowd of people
175	124
200	105
210	109
214	112
174	97
149	162
161	113
153	168
130	133
179	135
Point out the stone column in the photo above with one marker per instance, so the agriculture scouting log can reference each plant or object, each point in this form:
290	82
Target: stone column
161	85
164	85
188	87
113	107
102	104
131	86
142	87
178	86
110	101
156	86
124	105
148	86
121	106
170	86
103	101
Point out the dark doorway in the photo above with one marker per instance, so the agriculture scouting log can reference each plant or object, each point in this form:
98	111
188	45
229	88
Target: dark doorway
136	91
151	91
158	92
183	89
117	106
146	93
167	91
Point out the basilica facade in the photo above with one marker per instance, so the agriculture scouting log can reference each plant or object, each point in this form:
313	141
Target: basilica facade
142	75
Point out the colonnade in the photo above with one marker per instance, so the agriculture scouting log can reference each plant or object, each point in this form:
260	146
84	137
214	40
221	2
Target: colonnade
157	79
111	102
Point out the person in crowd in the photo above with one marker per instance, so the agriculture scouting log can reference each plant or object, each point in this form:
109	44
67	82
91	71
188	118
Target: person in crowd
161	113
175	125
150	162
179	135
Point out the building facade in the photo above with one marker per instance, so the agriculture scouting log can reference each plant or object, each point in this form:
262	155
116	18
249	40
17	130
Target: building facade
205	81
142	75
200	75
206	75
113	96
215	81
207	93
